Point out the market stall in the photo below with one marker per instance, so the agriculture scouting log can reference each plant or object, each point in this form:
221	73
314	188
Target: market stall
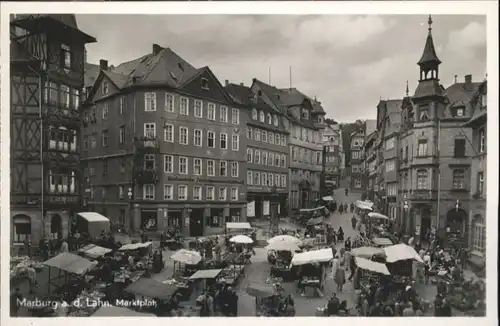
367	252
280	253
234	267
236	227
381	242
92	223
266	299
400	260
159	294
310	267
364	205
285	239
370	270
188	259
307	214
93	251
19	268
208	277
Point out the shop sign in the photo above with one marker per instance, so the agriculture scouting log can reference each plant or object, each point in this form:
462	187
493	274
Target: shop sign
266	207
201	179
251	209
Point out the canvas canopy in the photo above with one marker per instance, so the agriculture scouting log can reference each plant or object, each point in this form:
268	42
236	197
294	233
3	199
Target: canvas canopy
283	246
367	252
238	225
95	223
147	287
382	242
114	311
372	266
284	238
93	217
135	246
305	210
94	251
261	291
241	239
315	220
71	263
378	215
364	205
401	252
328	198
205	274
186	257
315	256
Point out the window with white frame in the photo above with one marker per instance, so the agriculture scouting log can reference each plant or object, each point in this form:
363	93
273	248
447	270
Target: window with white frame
283	140
121	137
196	192
277	180
355	155
277	159
319	158
254	114
256	178
183	165
249	132
264	136
422	179
223	168
249	155
222	193
105	88
283	180
355	168
389	143
223	141
357	183
458	179
264	158
197	166
478	235
294	153
168	192
105	111
198	109
184	108
249	178
257	134
211	111
257	157
183	136
198	137
149	161
271	159
169	102
235	143
277	139
169	133
182	192
264	179
210	168
270	180
148	192
269	119
122	104
389	166
482	140
275	120
480	183
422	147
235	169
271	138
169	164
235	116
262	117
283	161
211	139
223	114
210	193
234	194
150	130
149	101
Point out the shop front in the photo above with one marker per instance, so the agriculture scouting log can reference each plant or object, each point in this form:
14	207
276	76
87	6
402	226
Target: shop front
149	220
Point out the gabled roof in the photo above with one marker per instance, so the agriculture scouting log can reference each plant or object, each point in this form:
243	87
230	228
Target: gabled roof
91	73
461	93
241	94
292	97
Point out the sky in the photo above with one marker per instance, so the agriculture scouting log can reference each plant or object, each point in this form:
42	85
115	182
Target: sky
347	62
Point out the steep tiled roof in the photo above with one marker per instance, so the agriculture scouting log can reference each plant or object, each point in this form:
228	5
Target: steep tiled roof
429	88
66	19
461	93
91	73
292	96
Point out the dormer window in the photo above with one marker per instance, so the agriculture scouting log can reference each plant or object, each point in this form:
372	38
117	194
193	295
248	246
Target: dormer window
269	119
262	118
305	115
424	115
460	112
105	88
254	114
275	120
204	83
483	100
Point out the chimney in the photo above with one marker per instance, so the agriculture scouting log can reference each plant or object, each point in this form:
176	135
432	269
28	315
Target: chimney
468	79
103	64
226	82
456	79
242	84
156	49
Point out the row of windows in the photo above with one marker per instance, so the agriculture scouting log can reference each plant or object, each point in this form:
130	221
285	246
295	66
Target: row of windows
60	94
181	192
223	168
304	155
423	181
266	137
266	158
257	178
150	105
305	134
261	116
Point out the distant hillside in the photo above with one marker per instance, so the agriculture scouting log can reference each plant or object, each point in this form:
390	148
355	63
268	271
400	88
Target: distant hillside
347	130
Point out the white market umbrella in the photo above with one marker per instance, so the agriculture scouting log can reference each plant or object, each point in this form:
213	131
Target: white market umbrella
283	246
187	257
284	239
241	239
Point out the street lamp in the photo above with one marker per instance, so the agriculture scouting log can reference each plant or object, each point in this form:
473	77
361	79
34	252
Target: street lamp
405	210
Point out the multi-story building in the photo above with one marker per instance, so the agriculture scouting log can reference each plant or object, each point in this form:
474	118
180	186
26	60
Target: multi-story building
370	165
477	206
332	142
305	118
267	153
357	139
47	60
164	146
438	185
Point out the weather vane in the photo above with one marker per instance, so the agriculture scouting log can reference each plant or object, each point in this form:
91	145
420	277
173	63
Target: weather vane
430	23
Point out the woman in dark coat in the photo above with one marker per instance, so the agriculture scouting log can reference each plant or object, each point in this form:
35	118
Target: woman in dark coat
341	208
340	235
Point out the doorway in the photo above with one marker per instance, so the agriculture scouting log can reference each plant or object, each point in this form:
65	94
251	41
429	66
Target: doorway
425	223
196	222
56	227
456	221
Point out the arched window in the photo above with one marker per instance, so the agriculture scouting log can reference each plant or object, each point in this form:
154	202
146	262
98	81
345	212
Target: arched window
478	234
275	118
422	179
262	117
269	119
22	228
254	114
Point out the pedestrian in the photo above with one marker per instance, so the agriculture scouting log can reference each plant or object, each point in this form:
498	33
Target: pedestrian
32	278
340	276
64	246
341	209
348	244
352	207
340	235
345	207
354	221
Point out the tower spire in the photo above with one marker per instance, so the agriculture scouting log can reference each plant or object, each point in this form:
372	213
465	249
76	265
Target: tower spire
429	62
429	21
407	89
